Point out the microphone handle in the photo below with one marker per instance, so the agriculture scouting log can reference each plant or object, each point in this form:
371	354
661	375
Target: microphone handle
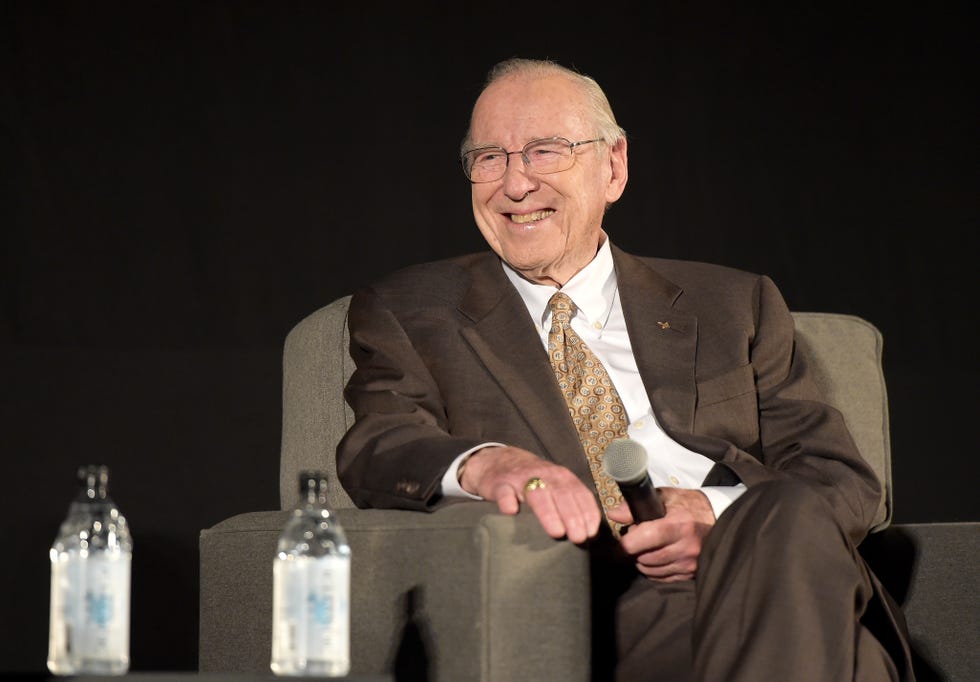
643	500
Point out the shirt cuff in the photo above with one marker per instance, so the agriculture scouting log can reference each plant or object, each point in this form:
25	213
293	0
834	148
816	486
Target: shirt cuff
720	497
450	480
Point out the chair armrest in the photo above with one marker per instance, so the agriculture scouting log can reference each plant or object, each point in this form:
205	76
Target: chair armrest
931	570
464	593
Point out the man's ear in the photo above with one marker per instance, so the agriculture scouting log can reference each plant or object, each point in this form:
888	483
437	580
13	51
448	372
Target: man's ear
619	168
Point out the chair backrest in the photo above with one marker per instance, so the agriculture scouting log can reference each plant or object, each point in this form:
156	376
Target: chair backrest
316	365
843	350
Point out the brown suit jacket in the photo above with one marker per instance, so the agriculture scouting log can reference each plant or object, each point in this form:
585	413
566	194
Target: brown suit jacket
447	358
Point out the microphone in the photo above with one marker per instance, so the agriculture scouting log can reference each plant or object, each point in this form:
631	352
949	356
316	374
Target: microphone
625	460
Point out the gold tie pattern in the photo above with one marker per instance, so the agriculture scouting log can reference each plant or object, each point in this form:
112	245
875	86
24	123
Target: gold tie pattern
593	402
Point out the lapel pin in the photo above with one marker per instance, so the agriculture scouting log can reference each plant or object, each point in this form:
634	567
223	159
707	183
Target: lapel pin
664	325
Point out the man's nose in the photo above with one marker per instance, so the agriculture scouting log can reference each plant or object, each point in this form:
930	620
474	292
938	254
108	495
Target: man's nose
519	181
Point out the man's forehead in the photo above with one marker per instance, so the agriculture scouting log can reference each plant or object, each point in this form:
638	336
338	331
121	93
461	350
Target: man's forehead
522	109
535	90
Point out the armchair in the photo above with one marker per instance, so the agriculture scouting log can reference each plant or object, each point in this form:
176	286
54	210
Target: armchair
443	596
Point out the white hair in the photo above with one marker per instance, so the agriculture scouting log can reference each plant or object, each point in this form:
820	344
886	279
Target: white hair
598	107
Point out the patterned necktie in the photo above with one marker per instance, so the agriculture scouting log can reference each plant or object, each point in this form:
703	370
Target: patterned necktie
593	402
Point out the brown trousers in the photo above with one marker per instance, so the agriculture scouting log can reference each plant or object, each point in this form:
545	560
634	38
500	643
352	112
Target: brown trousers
781	595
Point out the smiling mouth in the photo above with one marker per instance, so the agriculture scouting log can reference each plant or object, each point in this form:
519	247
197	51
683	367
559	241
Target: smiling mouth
532	217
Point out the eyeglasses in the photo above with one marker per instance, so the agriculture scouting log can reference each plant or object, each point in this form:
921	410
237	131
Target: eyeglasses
550	155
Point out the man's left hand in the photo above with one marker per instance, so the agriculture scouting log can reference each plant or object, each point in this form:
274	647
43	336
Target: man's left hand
667	549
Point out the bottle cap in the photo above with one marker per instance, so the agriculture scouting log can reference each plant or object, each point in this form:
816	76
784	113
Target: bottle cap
313	480
95	479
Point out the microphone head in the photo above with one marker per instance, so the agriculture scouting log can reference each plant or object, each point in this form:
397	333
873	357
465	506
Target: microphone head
625	460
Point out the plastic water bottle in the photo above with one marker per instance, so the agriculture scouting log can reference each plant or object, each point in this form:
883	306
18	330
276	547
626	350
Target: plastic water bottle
91	561
311	589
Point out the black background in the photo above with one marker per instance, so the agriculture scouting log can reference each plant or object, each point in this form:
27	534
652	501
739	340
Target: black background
184	181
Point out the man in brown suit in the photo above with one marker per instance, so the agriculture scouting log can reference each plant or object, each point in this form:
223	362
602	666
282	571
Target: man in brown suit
752	574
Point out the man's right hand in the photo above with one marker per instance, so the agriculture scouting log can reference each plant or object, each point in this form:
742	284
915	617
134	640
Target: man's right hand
565	507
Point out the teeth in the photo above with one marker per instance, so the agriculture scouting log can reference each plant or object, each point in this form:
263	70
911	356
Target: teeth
531	217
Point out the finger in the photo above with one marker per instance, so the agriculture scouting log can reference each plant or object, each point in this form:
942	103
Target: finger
620	513
578	521
542	503
591	512
656	565
577	508
646	537
670	576
683	570
507	499
674	559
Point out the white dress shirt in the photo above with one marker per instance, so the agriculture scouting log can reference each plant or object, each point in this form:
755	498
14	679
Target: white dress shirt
600	323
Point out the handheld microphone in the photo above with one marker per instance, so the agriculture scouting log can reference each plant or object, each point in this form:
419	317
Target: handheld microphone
625	460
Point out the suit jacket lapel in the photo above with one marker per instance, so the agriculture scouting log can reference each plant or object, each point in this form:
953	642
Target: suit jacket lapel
664	341
503	337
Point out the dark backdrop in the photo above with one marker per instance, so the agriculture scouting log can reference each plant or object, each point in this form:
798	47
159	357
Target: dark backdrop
184	181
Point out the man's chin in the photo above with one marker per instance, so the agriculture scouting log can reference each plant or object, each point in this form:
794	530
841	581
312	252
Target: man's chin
533	271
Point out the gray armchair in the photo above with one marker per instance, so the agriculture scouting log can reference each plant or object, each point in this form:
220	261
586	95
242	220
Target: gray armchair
446	596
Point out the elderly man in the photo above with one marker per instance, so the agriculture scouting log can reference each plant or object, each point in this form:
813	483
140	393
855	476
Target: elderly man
504	376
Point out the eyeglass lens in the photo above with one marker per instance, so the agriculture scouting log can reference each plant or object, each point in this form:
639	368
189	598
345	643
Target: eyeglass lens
550	155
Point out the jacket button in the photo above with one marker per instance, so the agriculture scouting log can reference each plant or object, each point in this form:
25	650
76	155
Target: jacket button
407	487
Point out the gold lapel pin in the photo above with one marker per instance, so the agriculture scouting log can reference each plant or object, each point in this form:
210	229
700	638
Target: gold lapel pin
664	325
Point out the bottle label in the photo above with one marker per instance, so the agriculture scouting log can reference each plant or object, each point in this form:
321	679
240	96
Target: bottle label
311	610
89	607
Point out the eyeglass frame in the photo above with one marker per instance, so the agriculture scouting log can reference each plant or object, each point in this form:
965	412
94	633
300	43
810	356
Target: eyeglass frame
523	152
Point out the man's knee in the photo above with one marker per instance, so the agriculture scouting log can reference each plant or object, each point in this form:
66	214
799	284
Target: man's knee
776	516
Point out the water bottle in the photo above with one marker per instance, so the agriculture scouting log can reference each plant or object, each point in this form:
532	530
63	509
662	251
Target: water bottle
311	589
91	560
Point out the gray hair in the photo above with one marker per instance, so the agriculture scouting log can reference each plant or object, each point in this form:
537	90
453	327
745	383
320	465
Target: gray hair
598	106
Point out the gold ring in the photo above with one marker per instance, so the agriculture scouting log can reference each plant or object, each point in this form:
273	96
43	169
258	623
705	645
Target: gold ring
534	484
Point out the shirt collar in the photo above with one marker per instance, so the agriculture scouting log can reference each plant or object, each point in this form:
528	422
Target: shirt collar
593	289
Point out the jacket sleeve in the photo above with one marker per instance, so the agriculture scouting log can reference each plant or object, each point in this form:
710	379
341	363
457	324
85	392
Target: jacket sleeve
801	436
399	447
